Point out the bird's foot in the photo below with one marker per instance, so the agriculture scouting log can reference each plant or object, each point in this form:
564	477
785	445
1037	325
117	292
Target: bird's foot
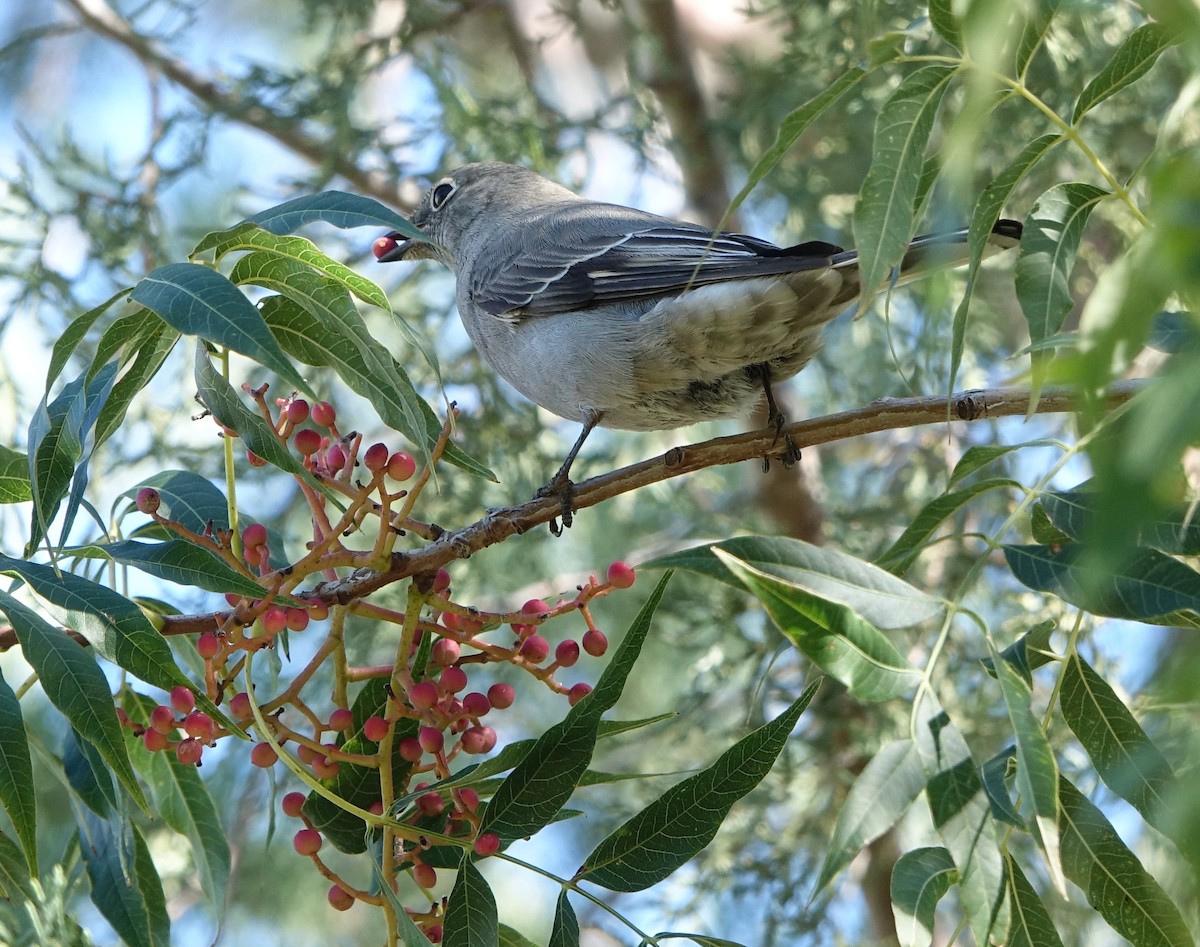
561	488
791	455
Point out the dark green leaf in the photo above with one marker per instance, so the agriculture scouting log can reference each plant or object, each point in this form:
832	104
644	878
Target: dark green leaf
1036	24
189	499
471	911
88	775
994	773
16	774
15	880
1029	652
883	217
564	932
1131	61
338	208
680	823
1174	332
125	884
197	300
543	781
175	560
920	879
14	476
978	457
1074	512
1031	925
945	22
74	333
75	685
1112	878
146	360
513	938
55	439
881	794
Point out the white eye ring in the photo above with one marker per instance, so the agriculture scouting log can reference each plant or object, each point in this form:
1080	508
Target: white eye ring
441	193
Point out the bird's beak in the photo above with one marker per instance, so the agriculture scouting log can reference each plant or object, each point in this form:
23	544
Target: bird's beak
391	247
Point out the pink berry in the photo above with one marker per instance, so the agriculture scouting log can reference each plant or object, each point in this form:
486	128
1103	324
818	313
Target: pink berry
307	841
254	536
446	651
182	699
534	649
375	729
232	599
595	642
199	725
263	755
318	611
307	441
292	803
567	652
297	619
487	844
375	458
297	411
323	414
162	719
382	246
578	692
431	804
478	740
340	899
476	704
452	680
434	933
254	460
423	695
535	607
469	799
154	741
410	749
123	717
431	739
424	875
188	752
306	753
501	696
207	645
239	706
441	581
325	768
148	500
621	575
335	457
341	719
401	466
274	621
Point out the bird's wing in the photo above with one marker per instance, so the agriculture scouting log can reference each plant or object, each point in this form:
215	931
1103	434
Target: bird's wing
575	256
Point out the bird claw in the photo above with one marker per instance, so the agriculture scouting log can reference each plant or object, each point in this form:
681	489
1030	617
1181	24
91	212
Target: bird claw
563	489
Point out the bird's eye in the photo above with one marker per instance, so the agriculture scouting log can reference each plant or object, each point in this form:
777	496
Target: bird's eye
441	194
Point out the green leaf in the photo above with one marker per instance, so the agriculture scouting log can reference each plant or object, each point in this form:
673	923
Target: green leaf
189	499
543	781
1130	62
74	333
1146	587
831	635
338	208
55	439
564	932
146	360
1174	332
1112	878
994	773
883	217
682	821
980	456
16	774
1124	756
125	885
900	556
876	595
175	560
75	685
513	938
920	879
1074	512
197	300
943	20
14	476
88	775
1036	24
702	939
1031	925
471	911
881	794
15	880
987	211
1027	653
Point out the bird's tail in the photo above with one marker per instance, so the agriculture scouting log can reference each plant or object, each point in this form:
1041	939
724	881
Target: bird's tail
932	252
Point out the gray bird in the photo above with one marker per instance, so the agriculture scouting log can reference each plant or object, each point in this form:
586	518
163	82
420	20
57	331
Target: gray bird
612	316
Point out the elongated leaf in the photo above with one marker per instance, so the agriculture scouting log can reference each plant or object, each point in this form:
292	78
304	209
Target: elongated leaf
920	880
564	932
96	395
16	774
89	776
1148	586
75	685
1174	331
1027	653
679	824
74	333
1031	925
1037	22
980	456
1112	878
994	773
197	300
55	439
175	560
125	885
14	476
189	499
338	208
945	22
1074	512
875	594
15	880
883	217
541	784
1130	62
1124	756
832	636
144	364
471	917
881	794
900	556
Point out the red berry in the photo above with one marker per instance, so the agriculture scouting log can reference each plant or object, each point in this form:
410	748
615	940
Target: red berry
254	536
431	804
534	649
263	755
318	611
567	652
621	575
199	725
341	719
381	247
297	411
431	739
325	768
340	899
452	680
207	645
446	651
239	706
401	466
375	458
535	607
307	842
434	933
424	875
501	696
188	752
469	799
254	460
307	441
232	599
297	619
154	741
323	414
274	620
375	729
162	719
595	642
306	753
578	692
423	695
410	749
123	717
292	803
182	699
148	500
478	740
441	581
335	458
487	844
476	704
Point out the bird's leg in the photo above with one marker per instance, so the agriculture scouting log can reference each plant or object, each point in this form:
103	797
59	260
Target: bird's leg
776	419
560	484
